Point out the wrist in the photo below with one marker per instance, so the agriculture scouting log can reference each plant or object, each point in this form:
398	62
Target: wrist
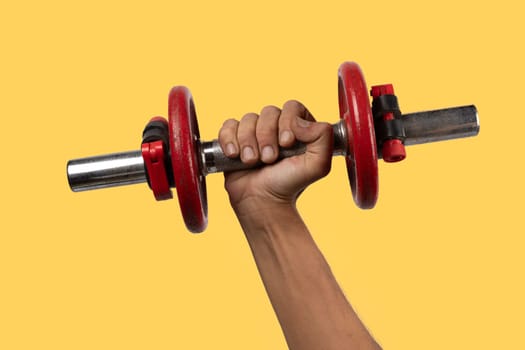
254	207
261	216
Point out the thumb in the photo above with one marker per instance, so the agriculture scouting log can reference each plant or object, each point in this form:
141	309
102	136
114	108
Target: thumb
318	138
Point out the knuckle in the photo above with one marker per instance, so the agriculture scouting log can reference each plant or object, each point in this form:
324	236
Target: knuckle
270	110
228	128
225	134
249	117
293	104
229	123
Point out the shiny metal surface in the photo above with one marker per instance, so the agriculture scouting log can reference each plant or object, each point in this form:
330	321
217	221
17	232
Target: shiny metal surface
128	167
109	170
441	125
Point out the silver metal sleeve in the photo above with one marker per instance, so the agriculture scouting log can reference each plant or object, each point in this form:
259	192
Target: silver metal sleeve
109	170
440	124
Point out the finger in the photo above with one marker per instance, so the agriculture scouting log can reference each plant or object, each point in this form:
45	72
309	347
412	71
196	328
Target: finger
228	138
291	111
247	139
266	133
309	132
318	138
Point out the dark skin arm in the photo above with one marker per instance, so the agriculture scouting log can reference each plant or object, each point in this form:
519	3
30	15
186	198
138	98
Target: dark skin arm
310	306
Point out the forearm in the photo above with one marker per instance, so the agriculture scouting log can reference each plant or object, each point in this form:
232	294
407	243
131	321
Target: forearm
311	308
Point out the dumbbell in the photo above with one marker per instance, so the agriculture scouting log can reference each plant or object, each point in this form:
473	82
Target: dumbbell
172	154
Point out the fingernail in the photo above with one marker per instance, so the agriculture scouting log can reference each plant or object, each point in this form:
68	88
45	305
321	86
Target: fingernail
286	136
247	153
303	122
230	149
267	153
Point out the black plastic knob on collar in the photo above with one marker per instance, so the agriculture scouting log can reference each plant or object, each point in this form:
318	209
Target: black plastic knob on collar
157	130
387	129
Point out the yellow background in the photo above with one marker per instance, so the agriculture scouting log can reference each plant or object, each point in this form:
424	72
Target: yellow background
438	264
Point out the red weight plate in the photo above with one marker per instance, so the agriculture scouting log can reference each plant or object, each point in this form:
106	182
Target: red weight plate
184	138
361	162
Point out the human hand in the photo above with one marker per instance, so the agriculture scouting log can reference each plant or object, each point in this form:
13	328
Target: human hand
257	138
